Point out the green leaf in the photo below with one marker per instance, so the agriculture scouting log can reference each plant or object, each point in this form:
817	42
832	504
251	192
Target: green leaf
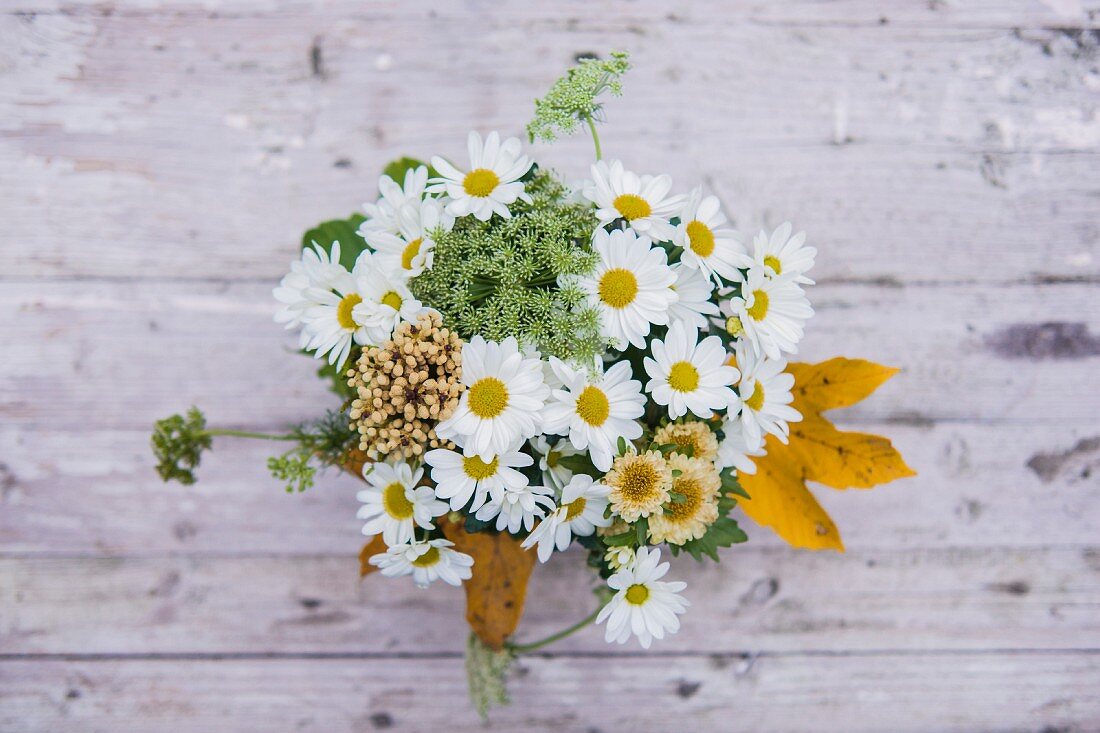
621	540
336	376
396	169
725	532
344	231
641	529
579	464
730	484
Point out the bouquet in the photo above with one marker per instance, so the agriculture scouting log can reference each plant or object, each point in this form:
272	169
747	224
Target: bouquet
526	363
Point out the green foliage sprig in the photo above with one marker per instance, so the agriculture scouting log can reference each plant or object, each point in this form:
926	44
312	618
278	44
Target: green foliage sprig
500	278
178	443
571	101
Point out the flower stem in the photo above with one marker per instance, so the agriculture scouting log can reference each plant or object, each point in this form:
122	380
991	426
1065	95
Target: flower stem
595	136
214	432
534	645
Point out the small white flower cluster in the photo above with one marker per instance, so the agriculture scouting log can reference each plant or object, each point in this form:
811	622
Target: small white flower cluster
683	303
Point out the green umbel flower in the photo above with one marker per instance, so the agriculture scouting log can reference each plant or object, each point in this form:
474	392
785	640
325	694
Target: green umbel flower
572	99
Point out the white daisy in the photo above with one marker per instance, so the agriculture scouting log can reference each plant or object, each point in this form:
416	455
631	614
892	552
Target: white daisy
765	396
770	312
694	291
382	216
782	254
643	605
503	400
517	507
385	300
734	450
459	478
579	512
554	473
491	184
317	269
708	245
643	201
393	504
686	375
595	409
410	251
426	562
618	558
631	286
330	321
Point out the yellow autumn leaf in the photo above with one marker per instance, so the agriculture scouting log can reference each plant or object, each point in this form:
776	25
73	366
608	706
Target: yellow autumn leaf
817	451
498	588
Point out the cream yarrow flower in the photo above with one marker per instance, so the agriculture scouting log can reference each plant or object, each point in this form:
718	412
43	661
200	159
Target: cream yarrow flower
393	504
639	484
781	254
595	409
491	184
460	478
642	201
770	312
643	605
687	375
503	401
426	562
709	246
580	511
631	286
694	505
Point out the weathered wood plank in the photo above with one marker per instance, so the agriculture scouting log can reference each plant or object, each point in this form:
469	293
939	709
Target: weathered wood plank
72	491
757	600
979	13
900	169
918	693
120	355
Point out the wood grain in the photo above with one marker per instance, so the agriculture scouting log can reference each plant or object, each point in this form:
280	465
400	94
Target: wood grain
158	160
780	693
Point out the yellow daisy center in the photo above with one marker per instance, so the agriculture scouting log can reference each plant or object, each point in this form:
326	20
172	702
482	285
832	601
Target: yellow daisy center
478	469
574	508
734	327
756	399
412	249
480	182
618	287
552	458
773	262
429	558
344	309
637	594
683	377
393	300
638	482
488	398
700	238
632	206
394	501
759	307
593	407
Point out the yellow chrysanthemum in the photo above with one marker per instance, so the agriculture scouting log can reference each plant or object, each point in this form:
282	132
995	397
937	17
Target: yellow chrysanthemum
691	434
639	483
680	521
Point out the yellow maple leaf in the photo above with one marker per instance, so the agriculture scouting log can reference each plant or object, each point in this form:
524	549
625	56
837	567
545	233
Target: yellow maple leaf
817	451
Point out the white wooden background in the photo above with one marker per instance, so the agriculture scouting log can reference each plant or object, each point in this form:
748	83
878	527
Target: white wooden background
158	161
